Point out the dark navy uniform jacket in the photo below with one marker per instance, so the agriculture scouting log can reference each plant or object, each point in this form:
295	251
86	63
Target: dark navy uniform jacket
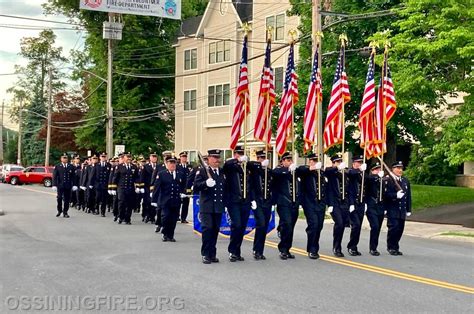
282	187
234	173
258	185
309	196
354	183
397	208
167	190
124	179
91	177
186	170
334	187
372	195
101	174
63	176
77	175
211	200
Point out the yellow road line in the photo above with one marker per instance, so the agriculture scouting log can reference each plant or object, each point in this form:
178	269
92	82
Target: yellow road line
349	263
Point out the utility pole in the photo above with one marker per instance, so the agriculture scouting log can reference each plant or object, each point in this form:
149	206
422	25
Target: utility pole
316	29
48	131
1	135
20	122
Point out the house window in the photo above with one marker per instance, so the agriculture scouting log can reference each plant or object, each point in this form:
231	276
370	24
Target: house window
226	154
190	100
190	59
277	23
279	80
218	95
219	52
192	156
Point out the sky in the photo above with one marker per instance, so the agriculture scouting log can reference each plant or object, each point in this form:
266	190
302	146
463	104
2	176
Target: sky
10	40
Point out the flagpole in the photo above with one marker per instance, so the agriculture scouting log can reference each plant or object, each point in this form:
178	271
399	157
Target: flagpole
373	45
292	34
267	114
384	126
318	37
343	39
246	29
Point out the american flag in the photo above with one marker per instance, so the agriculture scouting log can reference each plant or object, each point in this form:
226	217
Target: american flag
315	97
367	110
340	95
266	101
288	100
385	103
242	102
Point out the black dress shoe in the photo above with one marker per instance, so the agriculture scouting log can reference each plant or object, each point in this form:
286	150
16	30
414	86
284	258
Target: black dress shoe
172	239
289	255
354	252
283	256
66	216
158	229
374	253
184	221
120	221
393	252
206	260
240	258
257	256
58	214
313	255
115	218
338	254
144	220
399	253
233	257
128	223
164	238
103	215
214	260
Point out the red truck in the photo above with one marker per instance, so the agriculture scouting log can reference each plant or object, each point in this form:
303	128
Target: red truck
33	174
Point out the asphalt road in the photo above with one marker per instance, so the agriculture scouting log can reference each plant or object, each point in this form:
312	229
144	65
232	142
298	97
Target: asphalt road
98	266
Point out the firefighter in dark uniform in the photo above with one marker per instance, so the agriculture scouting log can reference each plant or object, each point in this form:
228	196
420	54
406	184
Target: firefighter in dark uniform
63	184
91	179
158	169
125	178
238	200
312	198
149	212
337	201
141	188
397	202
375	208
357	205
285	196
101	175
262	194
209	183
76	163
185	168
83	181
113	188
168	191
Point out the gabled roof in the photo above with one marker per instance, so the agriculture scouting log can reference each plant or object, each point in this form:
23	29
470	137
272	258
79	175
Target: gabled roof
244	9
189	26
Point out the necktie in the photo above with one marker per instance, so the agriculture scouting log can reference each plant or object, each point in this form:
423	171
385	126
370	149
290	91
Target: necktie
174	175
215	172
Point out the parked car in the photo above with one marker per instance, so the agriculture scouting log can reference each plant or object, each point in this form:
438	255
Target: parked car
33	174
6	168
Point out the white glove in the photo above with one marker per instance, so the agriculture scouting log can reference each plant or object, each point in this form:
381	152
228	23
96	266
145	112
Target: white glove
363	167
408	214
319	165
114	192
330	209
182	195
109	192
137	190
365	208
292	167
385	212
243	158
342	166
253	204
400	194
83	188
142	191
151	194
351	208
381	174
265	163
74	188
54	189
154	204
210	182
91	187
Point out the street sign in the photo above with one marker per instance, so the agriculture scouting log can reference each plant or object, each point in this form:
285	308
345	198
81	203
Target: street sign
112	30
162	8
119	149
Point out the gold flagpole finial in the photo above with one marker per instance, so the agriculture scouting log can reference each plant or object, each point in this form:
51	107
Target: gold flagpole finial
292	33
317	36
247	28
374	45
387	45
269	32
343	39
